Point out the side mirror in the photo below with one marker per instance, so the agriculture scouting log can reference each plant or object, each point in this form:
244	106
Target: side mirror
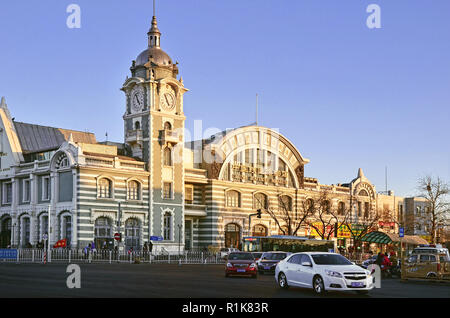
306	264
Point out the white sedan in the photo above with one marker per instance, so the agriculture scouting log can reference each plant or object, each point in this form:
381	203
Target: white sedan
323	271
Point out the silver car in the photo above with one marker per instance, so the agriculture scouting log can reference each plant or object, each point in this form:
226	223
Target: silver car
323	271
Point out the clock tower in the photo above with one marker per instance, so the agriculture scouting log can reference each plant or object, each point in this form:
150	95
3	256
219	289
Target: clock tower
154	131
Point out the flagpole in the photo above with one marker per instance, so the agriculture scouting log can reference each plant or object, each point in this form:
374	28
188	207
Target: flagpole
49	233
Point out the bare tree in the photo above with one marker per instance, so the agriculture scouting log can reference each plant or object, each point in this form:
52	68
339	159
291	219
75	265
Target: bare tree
325	219
288	217
436	192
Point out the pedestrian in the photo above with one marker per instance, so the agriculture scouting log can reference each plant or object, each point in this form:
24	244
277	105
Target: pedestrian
150	246
380	258
104	245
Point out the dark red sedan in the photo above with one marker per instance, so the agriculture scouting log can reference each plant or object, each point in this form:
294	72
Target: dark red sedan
241	263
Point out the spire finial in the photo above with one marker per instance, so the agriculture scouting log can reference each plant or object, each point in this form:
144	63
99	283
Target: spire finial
3	102
154	36
360	173
70	138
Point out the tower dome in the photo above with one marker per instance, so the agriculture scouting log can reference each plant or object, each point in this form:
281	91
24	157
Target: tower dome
154	53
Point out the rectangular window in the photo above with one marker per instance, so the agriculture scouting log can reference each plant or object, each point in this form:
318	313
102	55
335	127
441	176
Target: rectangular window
167	191
26	190
46	188
7	193
167	226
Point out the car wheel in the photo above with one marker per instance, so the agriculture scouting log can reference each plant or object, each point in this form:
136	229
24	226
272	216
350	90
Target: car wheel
226	275
282	281
318	285
254	276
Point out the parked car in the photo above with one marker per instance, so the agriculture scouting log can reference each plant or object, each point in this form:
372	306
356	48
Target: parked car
423	264
227	250
269	260
241	263
322	272
369	261
257	255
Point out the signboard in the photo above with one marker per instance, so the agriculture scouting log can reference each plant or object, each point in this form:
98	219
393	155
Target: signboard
117	236
319	226
8	254
344	231
401	232
156	238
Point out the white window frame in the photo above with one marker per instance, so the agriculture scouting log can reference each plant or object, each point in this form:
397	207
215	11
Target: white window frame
171	224
26	190
139	190
5	196
46	191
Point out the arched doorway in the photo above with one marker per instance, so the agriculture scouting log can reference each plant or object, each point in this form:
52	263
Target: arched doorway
133	234
5	231
232	235
103	233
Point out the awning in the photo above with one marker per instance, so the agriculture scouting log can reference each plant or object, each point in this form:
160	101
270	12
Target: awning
386	238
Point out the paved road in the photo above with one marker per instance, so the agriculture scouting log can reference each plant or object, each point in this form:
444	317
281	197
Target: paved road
172	281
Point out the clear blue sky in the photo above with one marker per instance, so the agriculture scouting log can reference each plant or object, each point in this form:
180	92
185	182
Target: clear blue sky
345	95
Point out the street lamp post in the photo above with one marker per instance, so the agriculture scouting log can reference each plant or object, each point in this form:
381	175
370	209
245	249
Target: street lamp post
179	239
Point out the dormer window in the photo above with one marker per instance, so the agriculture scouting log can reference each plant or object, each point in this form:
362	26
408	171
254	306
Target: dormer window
167	126
62	162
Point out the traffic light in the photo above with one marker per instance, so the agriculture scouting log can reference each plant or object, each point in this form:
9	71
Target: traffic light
259	213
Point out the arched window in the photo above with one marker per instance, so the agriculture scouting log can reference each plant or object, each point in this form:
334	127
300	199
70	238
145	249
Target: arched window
132	233
285	203
233	198
137	125
133	190
103	231
309	206
260	201
167	226
232	235
43	227
25	231
363	193
66	228
167	126
104	188
326	206
167	156
341	208
5	232
259	230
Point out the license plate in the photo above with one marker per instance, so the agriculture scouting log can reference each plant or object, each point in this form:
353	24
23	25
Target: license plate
241	270
267	267
357	284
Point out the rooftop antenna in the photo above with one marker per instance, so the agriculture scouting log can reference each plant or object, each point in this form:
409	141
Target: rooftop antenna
385	179
256	109
154	8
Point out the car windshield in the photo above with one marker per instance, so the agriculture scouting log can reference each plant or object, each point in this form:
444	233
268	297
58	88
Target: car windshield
330	259
274	256
257	255
224	250
240	257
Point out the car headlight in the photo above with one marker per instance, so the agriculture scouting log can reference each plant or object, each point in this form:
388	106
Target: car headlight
252	265
333	273
229	265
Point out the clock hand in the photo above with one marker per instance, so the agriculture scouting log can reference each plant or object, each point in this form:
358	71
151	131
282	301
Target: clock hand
167	101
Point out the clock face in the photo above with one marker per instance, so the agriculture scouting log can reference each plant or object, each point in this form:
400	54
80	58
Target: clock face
137	98
168	101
